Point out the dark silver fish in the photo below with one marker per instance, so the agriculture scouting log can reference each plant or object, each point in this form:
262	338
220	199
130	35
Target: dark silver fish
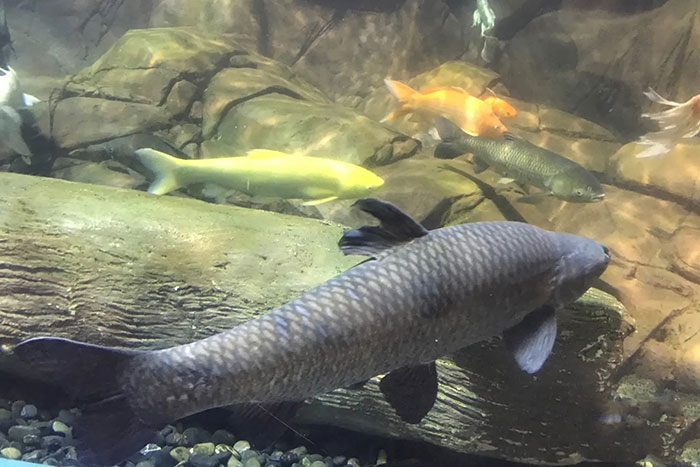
423	294
523	162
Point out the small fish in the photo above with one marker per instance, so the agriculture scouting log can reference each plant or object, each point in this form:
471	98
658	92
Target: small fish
263	172
422	294
681	121
484	17
523	162
11	140
471	114
10	90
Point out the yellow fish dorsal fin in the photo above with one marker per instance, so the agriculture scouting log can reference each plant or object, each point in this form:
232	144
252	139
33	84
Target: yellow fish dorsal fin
264	154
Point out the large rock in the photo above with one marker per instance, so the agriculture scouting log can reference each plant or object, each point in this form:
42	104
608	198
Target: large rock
674	175
59	38
585	58
199	89
345	51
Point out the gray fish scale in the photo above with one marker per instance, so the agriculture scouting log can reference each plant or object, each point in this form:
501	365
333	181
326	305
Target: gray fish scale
436	294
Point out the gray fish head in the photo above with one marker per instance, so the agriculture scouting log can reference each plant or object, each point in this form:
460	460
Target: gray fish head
576	186
581	261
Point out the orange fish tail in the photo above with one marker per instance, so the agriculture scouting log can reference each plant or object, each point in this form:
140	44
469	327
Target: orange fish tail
399	90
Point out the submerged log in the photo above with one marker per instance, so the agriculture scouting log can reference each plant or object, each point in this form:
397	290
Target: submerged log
124	268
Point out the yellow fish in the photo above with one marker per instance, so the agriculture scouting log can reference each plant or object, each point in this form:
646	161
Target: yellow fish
474	116
263	172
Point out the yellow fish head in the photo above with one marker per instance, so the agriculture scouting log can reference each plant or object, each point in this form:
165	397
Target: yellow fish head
359	182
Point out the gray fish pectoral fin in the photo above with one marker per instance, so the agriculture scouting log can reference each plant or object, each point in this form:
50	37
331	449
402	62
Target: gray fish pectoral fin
108	429
531	341
396	227
534	198
411	391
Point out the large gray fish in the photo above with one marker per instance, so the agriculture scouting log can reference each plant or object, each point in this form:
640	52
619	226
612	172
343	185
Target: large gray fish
523	162
423	294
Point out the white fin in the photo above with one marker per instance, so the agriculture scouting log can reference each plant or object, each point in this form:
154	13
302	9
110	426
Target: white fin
505	180
12	131
655	150
163	166
433	133
656	97
316	202
28	100
264	154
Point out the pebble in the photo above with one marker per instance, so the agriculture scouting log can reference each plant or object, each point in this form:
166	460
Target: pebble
354	462
146	464
17	432
66	416
318	464
29	411
252	462
245	455
52	442
17	408
31	440
204	448
203	460
173	439
60	427
35	456
162	458
11	453
339	461
289	458
314	457
192	436
241	446
233	462
180	454
6	419
223	437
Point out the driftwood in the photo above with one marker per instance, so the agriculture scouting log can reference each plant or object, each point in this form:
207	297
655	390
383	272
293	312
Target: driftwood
124	268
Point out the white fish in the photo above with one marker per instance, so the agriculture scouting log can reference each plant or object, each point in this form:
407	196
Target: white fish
11	91
484	17
682	120
11	141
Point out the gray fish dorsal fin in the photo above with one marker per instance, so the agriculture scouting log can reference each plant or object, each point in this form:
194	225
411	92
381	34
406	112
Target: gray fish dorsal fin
447	129
396	227
531	341
508	136
411	391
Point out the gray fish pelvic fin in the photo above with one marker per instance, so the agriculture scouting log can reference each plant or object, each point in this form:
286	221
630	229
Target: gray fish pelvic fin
411	391
109	428
478	165
531	341
395	228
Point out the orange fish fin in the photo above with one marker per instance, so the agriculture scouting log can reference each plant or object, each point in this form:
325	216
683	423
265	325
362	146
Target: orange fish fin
399	112
400	91
443	88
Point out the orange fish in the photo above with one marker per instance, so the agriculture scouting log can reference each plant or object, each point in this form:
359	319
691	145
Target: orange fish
471	114
501	108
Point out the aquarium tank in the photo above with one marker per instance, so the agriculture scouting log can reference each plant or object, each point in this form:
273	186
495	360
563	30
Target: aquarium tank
349	233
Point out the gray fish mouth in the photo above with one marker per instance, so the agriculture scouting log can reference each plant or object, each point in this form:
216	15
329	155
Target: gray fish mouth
598	197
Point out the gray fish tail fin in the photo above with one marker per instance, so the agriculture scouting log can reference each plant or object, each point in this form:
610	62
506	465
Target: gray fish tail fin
108	430
164	167
454	140
396	227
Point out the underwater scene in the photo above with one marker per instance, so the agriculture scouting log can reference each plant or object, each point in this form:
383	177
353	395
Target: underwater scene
362	233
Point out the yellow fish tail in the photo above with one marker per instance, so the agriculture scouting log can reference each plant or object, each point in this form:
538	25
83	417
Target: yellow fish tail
164	168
